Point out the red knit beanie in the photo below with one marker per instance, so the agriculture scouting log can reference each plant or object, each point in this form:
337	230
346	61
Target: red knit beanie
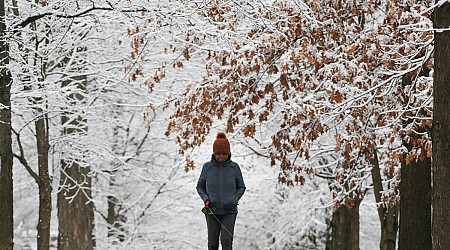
221	144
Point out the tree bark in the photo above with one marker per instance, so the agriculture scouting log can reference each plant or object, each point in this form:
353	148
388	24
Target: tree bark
415	182
328	237
75	210
114	218
44	180
415	205
112	200
345	228
45	183
388	216
441	130
75	207
111	219
6	154
389	228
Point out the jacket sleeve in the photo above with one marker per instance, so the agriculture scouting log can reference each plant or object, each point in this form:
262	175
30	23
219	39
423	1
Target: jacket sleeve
240	186
201	184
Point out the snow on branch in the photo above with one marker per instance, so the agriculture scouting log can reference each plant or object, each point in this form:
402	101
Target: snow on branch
23	23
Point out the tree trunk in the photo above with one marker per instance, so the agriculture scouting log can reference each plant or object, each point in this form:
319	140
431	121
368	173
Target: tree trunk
6	154
113	216
415	182
45	183
415	205
111	219
328	236
75	210
389	228
345	224
115	220
388	216
43	146
75	207
112	200
441	130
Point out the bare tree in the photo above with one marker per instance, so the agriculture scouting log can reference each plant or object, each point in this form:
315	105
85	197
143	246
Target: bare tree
75	205
6	155
41	121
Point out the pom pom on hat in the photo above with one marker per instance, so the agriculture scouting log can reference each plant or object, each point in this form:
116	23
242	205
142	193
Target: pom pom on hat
221	144
221	135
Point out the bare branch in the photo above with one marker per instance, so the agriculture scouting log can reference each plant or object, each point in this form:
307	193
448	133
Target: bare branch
24	162
81	13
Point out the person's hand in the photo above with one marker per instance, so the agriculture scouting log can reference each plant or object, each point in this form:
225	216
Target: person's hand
206	208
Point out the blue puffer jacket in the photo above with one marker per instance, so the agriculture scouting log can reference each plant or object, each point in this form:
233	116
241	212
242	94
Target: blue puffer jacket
222	184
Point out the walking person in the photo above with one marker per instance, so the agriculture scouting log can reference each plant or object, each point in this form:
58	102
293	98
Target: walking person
220	186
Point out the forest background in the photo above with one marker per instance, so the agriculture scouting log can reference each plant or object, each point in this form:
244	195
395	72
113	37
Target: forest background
109	109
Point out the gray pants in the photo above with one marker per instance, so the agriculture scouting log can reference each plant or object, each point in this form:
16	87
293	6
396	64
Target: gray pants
222	225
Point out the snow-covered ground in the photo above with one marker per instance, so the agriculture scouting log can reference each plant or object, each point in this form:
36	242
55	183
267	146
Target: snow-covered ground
270	216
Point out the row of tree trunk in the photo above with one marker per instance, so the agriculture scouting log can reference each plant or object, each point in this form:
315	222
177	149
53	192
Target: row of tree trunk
412	217
75	215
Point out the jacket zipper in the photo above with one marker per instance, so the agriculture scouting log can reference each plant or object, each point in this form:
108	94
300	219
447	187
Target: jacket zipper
220	178
221	182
